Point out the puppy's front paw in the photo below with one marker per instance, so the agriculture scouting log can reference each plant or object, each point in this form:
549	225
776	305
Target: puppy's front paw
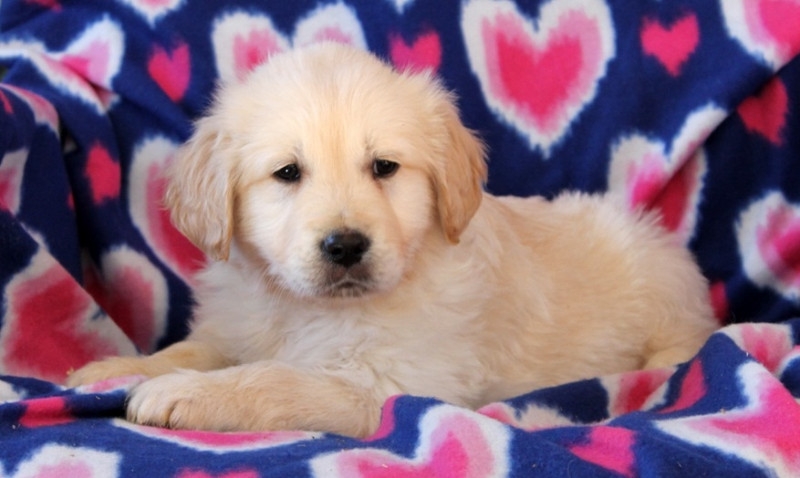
182	400
113	367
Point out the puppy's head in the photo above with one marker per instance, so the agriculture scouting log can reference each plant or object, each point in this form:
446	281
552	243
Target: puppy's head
328	168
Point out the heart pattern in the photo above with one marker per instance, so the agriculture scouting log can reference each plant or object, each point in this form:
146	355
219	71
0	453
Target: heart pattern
538	77
93	61
153	10
243	40
63	460
171	70
45	297
202	440
453	444
610	448
145	193
669	181
43	112
766	29
133	293
765	112
192	473
423	54
755	432
103	173
12	168
671	45
768	233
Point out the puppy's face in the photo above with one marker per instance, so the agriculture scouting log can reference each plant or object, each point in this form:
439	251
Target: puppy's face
328	169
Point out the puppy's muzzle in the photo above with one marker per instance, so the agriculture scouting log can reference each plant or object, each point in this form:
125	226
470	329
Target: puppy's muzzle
345	248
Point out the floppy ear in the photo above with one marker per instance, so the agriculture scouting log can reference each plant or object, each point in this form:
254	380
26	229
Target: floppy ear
458	178
200	190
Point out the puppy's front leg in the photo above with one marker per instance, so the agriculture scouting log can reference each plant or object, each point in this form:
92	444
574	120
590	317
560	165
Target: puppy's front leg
257	396
189	354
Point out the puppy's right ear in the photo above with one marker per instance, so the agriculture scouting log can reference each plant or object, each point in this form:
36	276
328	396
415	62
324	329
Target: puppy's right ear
200	190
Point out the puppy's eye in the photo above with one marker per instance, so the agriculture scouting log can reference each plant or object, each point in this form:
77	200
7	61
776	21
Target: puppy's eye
383	168
289	173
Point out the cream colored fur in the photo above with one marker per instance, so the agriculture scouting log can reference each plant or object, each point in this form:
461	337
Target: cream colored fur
463	296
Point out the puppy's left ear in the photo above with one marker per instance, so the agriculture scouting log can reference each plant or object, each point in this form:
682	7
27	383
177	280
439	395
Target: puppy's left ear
200	192
459	177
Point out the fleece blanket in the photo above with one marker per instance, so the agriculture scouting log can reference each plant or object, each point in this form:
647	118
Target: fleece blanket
688	107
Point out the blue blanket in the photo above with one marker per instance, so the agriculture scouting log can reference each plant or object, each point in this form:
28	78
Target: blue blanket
690	108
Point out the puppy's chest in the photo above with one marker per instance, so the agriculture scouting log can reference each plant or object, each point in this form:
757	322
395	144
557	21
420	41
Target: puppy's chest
402	351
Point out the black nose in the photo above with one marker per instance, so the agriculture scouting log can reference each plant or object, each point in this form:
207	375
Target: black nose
345	248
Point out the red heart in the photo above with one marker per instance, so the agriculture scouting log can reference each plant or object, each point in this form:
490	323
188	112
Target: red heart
424	54
171	70
765	112
671	45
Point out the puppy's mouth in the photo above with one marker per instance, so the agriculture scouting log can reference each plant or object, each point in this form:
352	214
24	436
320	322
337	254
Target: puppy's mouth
348	282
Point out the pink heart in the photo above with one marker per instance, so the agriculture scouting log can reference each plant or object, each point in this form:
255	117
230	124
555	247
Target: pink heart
768	29
91	62
7	106
719	301
103	173
765	113
651	180
425	53
171	70
191	473
778	241
628	392
11	172
539	78
133	293
146	192
609	447
670	183
655	187
671	45
768	233
188	258
776	15
47	311
456	445
252	48
47	411
769	344
693	388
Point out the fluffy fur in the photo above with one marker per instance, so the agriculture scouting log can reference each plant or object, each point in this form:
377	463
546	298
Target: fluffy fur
459	295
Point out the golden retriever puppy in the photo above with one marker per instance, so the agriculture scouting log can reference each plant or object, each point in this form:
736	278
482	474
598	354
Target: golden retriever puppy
356	257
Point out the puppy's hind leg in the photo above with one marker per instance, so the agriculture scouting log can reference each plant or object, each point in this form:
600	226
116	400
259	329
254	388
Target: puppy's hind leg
189	354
